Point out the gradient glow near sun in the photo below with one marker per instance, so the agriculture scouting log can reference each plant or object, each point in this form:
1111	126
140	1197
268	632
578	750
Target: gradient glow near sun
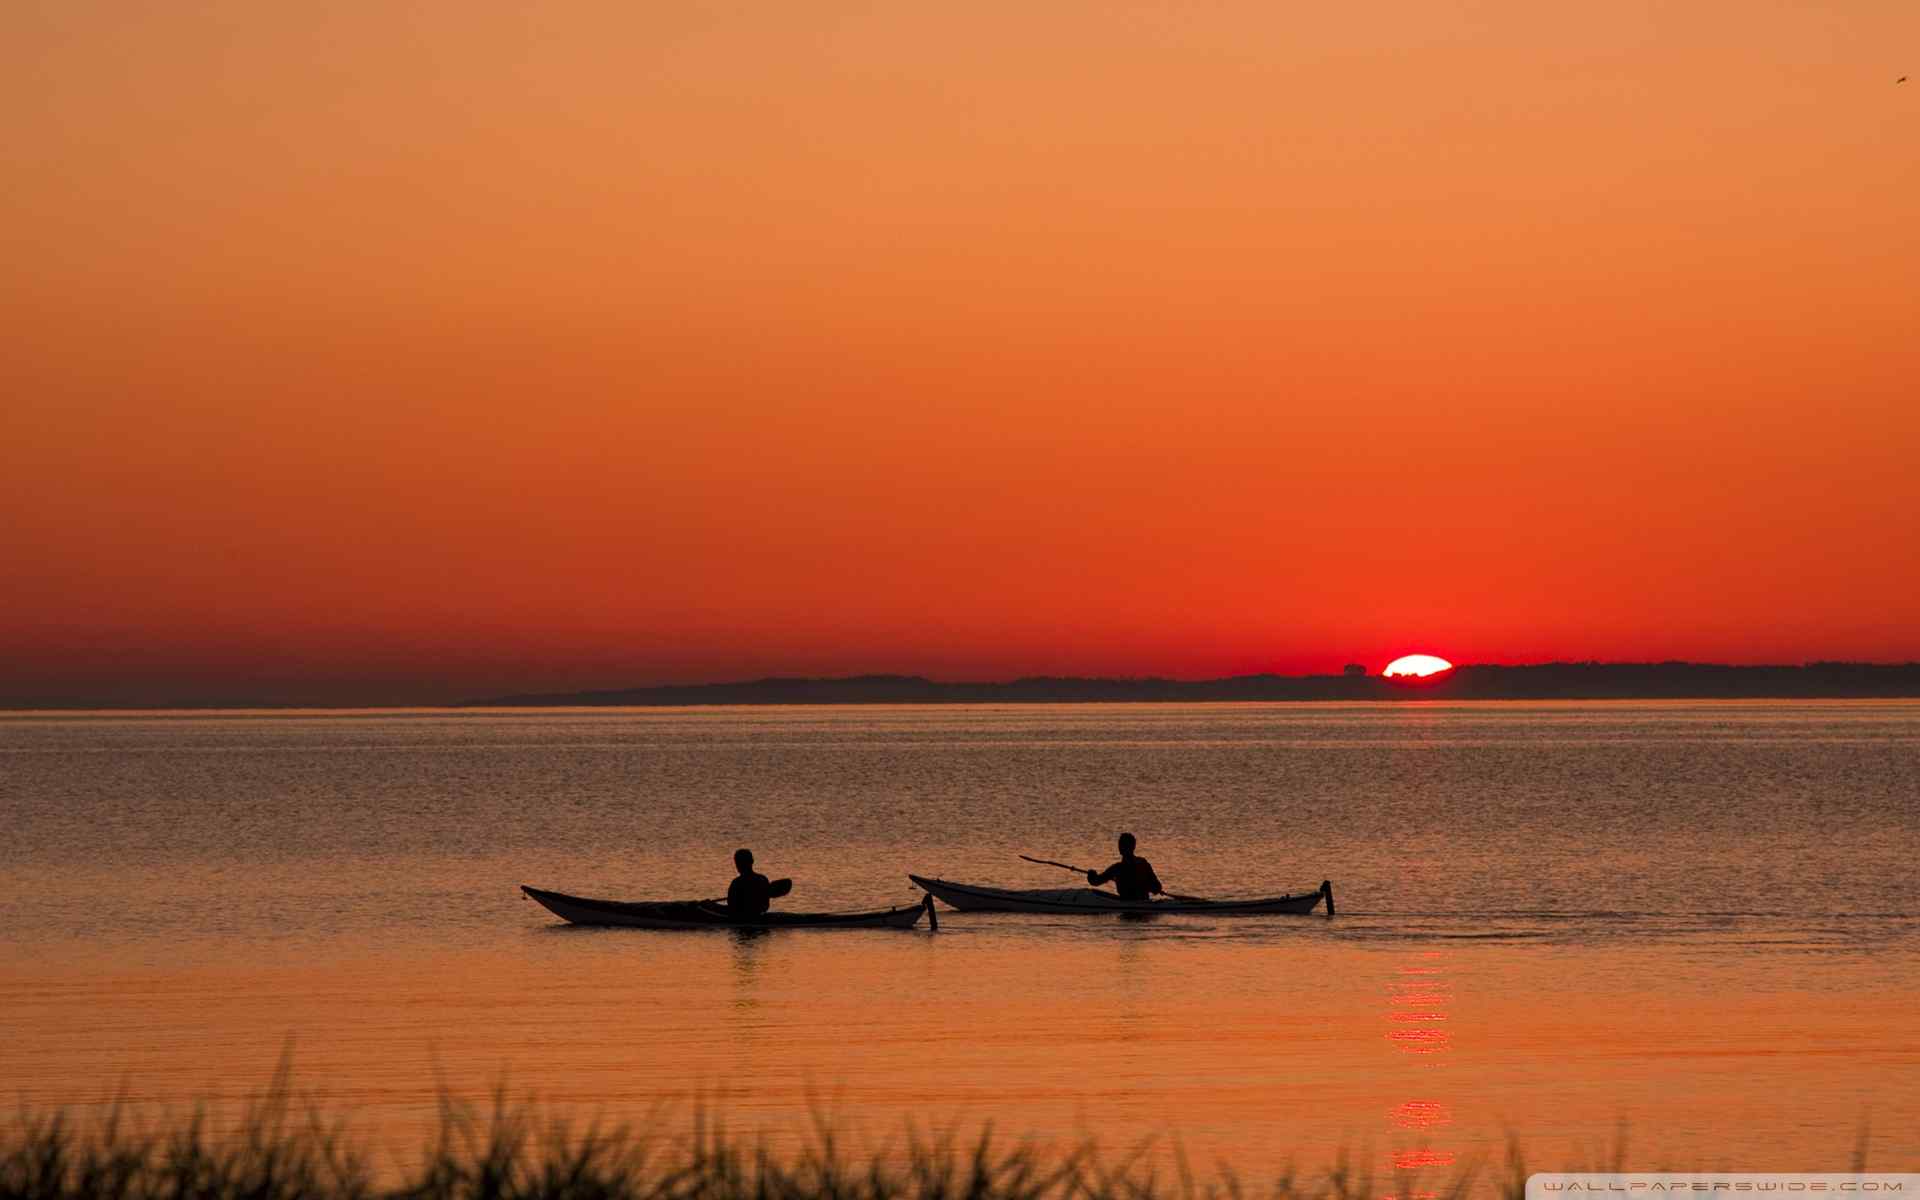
1416	665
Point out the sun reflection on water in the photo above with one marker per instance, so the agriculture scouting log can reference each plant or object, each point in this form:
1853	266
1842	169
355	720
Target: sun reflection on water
1417	1003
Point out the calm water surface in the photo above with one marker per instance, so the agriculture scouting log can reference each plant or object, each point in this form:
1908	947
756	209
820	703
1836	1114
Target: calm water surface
1694	920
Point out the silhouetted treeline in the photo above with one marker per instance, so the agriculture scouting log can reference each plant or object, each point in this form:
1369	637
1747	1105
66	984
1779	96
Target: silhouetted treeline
1546	681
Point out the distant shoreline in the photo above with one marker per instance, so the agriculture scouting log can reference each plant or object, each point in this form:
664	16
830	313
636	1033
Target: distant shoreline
1548	681
1544	681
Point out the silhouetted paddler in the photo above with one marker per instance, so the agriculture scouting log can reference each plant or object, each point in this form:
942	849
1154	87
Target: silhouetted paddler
1132	876
751	893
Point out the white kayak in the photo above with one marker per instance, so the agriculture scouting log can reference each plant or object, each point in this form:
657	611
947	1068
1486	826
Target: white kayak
1077	901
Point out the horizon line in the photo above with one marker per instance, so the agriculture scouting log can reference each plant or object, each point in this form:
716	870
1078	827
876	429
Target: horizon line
1386	686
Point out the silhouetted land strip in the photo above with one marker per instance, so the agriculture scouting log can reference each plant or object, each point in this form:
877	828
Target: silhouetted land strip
1547	681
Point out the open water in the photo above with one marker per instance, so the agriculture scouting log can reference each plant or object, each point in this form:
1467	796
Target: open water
1678	934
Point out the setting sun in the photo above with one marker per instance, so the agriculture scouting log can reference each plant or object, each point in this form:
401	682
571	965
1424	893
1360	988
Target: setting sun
1416	666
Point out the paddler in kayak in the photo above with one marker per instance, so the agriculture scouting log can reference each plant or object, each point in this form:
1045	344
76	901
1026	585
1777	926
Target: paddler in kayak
751	893
1132	876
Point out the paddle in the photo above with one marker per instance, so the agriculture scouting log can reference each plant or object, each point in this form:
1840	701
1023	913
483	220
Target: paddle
1047	862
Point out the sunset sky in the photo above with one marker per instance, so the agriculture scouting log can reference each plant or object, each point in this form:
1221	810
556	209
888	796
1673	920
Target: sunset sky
411	351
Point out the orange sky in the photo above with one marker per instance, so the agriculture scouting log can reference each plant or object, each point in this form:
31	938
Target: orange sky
412	351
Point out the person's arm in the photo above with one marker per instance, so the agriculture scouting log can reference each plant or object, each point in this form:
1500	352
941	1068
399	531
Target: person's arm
1153	883
1096	878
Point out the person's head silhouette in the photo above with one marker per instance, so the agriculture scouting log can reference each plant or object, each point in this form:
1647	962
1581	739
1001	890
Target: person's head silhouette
1126	845
743	861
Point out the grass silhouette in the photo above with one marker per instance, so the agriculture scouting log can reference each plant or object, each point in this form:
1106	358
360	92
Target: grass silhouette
513	1155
